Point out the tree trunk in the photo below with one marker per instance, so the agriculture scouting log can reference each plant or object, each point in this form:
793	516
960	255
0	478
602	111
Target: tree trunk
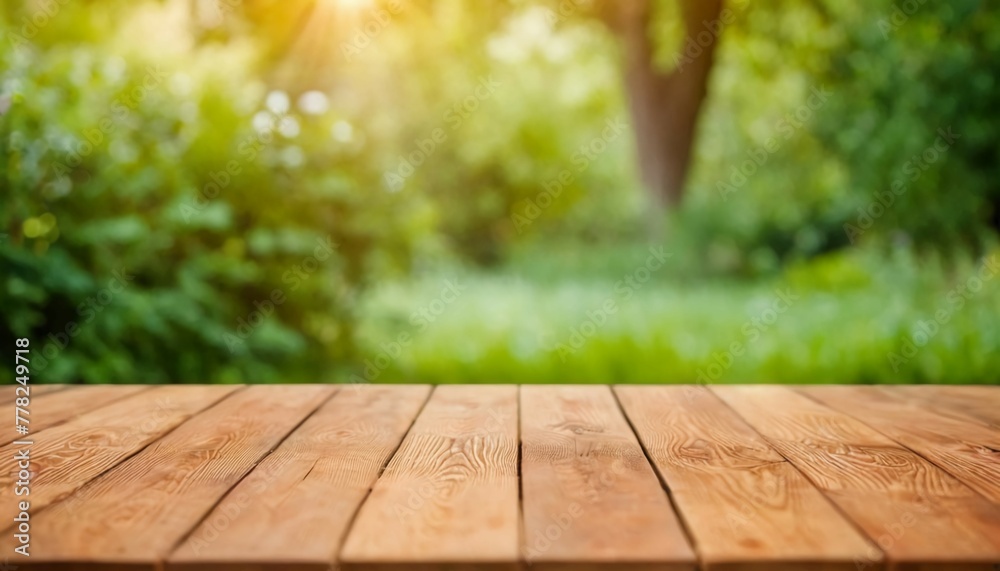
665	105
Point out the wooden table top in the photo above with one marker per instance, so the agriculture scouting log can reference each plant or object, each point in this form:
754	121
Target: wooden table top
491	477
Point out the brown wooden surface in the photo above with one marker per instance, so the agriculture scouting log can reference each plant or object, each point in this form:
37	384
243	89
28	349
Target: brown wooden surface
976	402
53	407
491	477
745	505
39	390
968	450
10	393
449	497
584	474
66	457
133	515
292	511
919	515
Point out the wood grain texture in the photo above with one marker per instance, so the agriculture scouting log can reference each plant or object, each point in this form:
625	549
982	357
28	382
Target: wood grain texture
132	516
67	456
10	393
193	478
590	498
449	498
39	390
920	516
968	450
55	407
978	402
292	512
746	507
50	388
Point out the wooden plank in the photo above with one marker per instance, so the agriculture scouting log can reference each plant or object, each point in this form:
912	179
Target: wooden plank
920	516
9	394
39	390
591	500
979	402
449	498
67	456
55	407
292	512
746	507
129	518
968	450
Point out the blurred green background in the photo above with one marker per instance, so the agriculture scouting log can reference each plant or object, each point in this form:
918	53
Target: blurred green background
447	191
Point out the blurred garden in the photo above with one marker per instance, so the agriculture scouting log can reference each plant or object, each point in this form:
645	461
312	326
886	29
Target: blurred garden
501	190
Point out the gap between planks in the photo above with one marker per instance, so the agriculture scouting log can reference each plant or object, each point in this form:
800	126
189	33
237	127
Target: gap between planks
744	505
341	448
743	415
922	517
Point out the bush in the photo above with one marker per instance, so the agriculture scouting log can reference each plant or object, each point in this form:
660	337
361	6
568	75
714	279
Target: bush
164	221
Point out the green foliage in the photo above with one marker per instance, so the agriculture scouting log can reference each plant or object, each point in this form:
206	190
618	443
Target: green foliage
170	174
910	96
853	317
244	248
514	111
851	97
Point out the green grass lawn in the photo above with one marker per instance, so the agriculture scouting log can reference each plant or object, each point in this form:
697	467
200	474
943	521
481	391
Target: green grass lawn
848	317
